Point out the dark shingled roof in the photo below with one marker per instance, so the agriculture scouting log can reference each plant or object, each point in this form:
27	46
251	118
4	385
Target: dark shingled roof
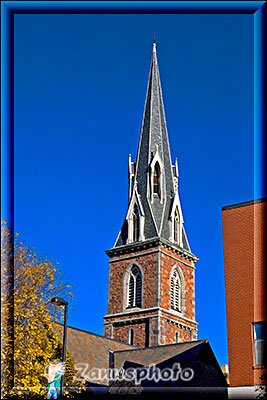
153	355
154	138
196	355
92	349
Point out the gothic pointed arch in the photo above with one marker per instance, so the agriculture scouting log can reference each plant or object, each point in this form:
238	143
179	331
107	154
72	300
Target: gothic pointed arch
136	224
135	218
133	286
176	222
177	290
156	177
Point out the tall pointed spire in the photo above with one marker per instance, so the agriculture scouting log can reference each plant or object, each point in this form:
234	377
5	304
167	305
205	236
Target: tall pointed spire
153	179
151	273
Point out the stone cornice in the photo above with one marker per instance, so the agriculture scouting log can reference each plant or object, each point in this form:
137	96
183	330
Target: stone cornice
149	310
177	315
126	321
131	311
148	244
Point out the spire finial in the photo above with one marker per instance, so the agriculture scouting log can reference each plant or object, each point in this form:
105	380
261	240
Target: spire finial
154	44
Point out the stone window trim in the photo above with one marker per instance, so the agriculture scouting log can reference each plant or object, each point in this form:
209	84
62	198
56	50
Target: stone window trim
175	295
136	224
135	206
177	268
156	180
134	297
156	161
125	286
176	216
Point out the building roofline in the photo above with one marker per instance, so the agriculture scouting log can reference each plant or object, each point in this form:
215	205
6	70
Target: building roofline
164	345
103	337
244	204
148	243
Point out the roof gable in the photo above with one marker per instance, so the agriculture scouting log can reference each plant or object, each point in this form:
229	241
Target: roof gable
152	355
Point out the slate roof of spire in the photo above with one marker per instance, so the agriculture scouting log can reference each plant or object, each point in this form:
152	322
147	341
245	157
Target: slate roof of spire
154	138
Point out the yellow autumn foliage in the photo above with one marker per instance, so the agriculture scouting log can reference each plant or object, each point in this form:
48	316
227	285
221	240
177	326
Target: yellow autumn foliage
36	280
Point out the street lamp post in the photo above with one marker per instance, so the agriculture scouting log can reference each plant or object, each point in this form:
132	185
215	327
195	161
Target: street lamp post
59	301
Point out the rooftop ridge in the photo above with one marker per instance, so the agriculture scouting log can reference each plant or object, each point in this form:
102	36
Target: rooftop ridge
196	342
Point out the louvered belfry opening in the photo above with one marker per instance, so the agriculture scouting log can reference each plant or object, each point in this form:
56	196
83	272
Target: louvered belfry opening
138	290
136	225
175	294
131	292
135	288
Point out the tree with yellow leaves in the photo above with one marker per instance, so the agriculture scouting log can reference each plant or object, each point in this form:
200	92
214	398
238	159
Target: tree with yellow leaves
36	280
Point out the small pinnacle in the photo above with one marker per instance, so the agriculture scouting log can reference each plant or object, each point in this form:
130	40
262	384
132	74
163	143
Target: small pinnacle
154	47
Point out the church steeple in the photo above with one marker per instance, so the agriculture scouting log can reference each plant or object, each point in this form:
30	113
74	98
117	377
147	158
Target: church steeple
153	180
151	295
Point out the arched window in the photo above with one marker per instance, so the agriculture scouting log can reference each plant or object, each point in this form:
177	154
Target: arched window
156	179
136	224
135	288
176	222
175	293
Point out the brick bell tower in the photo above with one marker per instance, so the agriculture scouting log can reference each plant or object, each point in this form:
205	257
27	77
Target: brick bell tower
151	295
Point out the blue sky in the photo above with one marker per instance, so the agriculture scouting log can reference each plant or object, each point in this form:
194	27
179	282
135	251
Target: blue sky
80	85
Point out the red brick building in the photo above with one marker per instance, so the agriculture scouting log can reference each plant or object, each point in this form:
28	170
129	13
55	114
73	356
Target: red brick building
151	297
244	237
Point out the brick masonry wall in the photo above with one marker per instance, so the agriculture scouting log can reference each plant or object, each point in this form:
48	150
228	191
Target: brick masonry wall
121	333
170	332
173	325
148	262
152	297
244	236
168	261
